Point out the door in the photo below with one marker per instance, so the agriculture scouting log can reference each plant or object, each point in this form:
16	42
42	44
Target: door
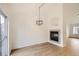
3	35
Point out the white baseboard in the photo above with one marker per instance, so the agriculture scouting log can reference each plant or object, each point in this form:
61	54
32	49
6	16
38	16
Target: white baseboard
28	45
55	43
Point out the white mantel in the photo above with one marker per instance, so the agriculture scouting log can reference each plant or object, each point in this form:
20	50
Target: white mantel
60	43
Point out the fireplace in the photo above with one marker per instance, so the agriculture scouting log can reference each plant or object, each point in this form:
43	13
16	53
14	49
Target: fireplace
54	36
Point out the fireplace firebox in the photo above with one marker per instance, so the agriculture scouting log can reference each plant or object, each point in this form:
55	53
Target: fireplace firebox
54	35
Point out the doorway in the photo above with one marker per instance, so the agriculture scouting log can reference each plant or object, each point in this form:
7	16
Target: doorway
3	34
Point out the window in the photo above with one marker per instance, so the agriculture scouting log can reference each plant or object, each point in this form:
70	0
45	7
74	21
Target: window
2	19
75	30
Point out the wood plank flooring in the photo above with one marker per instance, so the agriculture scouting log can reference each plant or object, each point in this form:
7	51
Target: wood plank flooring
47	49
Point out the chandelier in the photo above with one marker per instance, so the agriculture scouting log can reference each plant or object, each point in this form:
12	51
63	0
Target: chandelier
39	21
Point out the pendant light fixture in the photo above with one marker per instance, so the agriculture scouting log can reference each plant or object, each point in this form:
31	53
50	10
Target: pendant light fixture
39	21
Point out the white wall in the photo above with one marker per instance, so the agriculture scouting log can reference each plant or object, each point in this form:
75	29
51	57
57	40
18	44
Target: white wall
25	32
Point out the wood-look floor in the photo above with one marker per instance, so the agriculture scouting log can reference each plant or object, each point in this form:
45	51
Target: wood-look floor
47	49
